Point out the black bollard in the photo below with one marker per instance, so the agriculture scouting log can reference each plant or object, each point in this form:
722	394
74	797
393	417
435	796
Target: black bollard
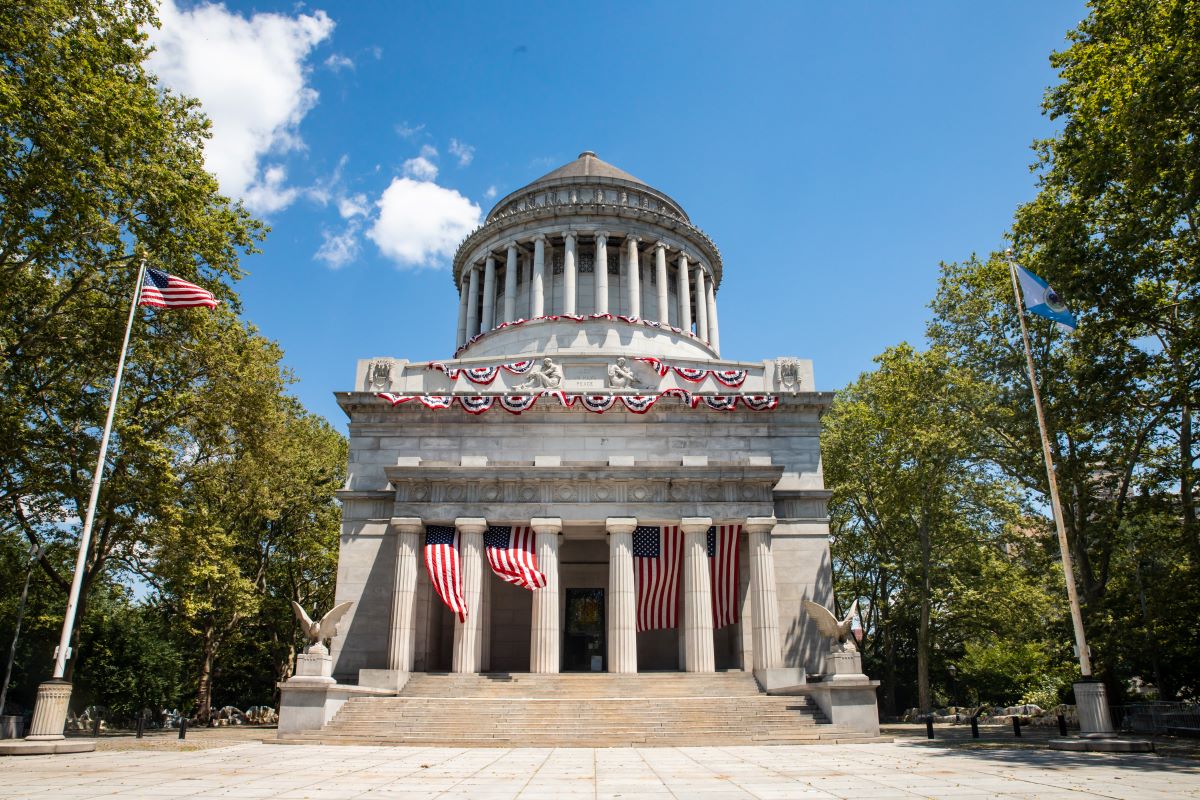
96	727
974	728
929	727
141	724
183	727
1016	726
1062	725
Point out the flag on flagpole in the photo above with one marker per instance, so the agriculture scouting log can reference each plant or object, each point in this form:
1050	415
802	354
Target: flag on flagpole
445	572
723	566
510	554
657	555
161	290
1040	299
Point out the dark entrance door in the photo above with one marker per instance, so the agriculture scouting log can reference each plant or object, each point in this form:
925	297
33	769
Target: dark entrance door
583	637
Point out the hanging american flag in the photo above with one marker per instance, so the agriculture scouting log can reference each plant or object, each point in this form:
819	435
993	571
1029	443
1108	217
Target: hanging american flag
723	566
511	555
161	290
657	554
441	559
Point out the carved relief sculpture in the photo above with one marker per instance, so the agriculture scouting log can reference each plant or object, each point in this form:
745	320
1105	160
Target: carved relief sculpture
379	376
788	371
547	376
620	376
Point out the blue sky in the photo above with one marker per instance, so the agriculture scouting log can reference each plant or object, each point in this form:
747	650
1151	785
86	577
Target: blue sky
835	152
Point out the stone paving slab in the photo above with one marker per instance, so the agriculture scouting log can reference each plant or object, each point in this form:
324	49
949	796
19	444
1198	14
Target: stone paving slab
874	771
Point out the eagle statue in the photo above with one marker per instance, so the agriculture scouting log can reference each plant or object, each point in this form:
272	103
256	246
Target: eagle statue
838	632
318	632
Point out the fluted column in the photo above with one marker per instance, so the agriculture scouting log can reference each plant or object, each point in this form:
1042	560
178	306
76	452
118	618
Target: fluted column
601	268
699	655
510	283
634	276
569	276
539	277
685	294
764	605
660	275
714	338
463	299
622	596
489	293
473	304
701	305
468	649
544	649
401	634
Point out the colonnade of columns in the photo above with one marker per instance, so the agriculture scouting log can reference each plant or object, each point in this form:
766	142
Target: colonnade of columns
480	291
470	636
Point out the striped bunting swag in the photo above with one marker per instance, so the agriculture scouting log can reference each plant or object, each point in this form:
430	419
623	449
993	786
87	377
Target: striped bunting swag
659	367
477	404
657	558
516	403
639	403
511	555
733	378
517	367
721	403
597	403
723	567
445	572
760	402
691	373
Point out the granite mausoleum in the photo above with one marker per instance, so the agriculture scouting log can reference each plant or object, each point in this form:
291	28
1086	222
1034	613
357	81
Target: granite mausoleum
586	403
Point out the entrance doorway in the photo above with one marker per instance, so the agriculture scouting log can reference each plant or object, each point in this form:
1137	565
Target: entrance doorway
584	648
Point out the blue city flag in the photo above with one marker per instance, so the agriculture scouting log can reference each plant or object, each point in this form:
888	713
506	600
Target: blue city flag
1040	299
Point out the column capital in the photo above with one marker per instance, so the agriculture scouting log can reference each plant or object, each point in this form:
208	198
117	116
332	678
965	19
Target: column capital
695	524
759	524
512	246
620	524
661	245
491	257
406	524
569	235
471	524
546	524
600	234
633	238
683	256
539	238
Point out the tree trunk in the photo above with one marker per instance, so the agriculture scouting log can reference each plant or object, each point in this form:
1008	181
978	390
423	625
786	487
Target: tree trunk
1186	494
204	682
924	700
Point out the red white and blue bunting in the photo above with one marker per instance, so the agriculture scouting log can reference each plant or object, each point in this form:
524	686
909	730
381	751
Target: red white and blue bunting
596	403
733	378
481	376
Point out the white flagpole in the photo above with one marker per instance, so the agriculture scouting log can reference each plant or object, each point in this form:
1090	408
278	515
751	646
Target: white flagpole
85	538
1085	658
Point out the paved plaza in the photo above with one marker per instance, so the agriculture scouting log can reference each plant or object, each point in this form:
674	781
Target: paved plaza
875	771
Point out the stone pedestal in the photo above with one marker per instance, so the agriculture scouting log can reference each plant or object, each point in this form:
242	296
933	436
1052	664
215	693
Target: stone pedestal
1091	703
50	711
314	667
842	667
849	702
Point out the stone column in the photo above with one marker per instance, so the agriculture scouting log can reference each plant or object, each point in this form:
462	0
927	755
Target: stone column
538	309
569	276
510	283
463	296
701	305
660	275
685	294
764	605
714	338
634	276
473	304
699	654
601	267
489	293
401	635
544	650
468	650
622	596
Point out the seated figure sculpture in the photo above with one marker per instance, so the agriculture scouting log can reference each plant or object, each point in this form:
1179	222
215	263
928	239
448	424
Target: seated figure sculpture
621	376
547	376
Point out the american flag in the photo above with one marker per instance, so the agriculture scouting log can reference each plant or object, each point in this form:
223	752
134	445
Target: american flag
657	554
511	555
166	291
723	566
441	559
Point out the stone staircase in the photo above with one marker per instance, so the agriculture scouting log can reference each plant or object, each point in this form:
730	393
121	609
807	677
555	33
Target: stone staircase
580	710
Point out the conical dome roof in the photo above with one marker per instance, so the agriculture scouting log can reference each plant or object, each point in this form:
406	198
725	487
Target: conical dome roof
588	166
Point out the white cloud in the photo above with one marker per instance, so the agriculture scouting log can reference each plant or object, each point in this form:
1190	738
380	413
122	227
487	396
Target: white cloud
465	152
249	74
354	206
420	223
339	249
420	168
490	193
338	62
406	131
